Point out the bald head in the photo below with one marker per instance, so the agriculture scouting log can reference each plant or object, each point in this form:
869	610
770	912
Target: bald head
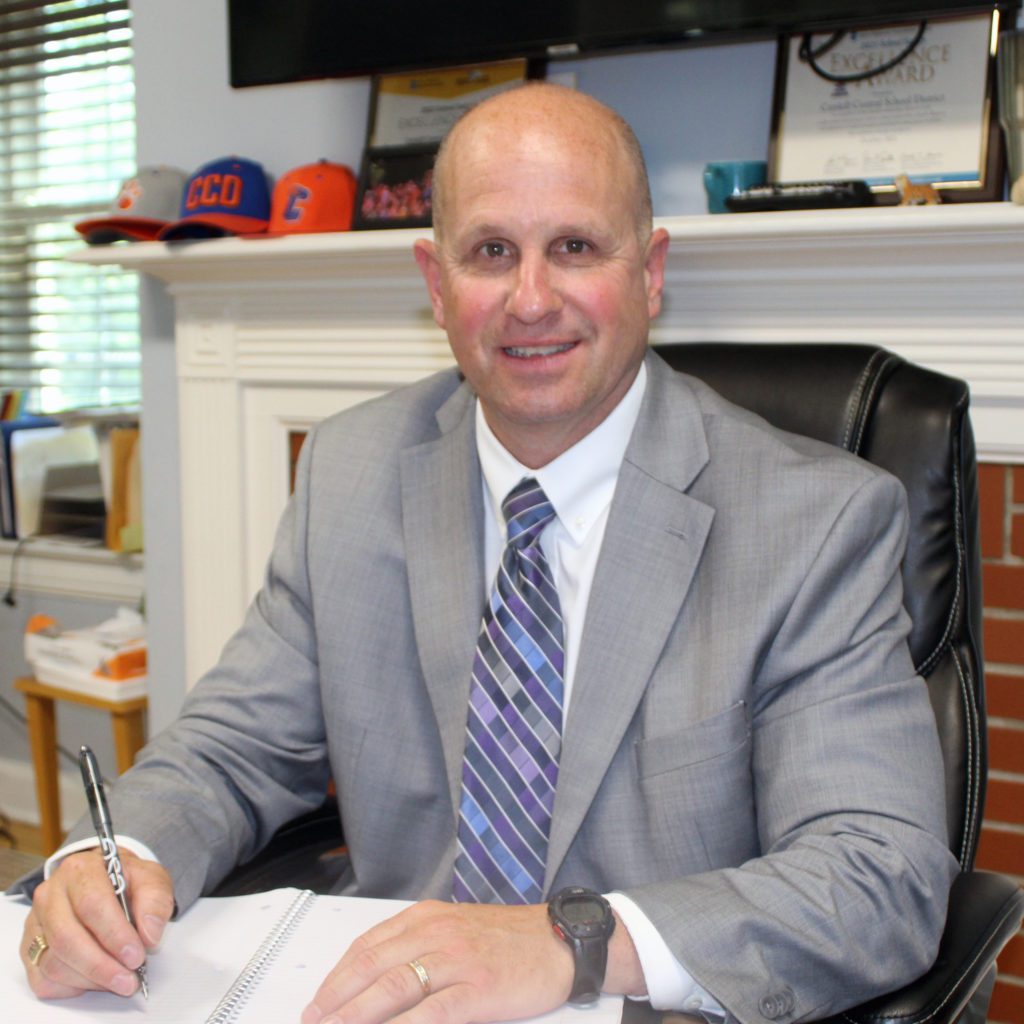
522	118
545	270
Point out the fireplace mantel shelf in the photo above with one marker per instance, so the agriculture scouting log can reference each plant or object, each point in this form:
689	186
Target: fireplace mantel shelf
274	333
964	225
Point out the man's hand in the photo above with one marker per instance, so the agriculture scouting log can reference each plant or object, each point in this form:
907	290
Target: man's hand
485	963
90	944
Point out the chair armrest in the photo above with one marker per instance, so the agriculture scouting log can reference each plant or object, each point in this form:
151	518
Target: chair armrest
985	912
308	853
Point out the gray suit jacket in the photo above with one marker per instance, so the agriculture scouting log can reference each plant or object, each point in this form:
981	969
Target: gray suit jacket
748	754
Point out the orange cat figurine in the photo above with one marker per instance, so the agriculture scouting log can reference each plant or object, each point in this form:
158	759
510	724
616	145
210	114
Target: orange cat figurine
914	194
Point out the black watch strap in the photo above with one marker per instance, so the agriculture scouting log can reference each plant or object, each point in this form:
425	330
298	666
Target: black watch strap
583	919
591	959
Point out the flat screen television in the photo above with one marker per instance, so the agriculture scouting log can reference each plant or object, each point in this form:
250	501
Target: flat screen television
290	40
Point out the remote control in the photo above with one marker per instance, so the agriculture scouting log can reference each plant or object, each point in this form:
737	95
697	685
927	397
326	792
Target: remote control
802	195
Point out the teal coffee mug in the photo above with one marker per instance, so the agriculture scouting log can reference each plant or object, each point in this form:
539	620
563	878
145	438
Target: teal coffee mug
727	177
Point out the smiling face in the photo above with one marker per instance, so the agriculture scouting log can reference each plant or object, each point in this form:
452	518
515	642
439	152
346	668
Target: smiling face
545	274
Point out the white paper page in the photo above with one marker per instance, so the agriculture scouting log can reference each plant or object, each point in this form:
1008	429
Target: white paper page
199	958
325	932
317	944
204	952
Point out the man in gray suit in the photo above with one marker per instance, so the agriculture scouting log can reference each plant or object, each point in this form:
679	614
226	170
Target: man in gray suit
748	765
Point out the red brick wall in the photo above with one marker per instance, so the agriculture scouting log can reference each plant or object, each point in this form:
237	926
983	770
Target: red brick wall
1002	834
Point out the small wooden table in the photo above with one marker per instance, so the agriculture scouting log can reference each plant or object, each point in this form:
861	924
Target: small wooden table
126	716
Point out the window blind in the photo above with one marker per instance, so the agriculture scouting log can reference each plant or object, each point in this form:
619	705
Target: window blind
69	335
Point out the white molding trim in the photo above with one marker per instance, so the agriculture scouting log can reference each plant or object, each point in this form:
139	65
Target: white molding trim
68	569
274	332
942	285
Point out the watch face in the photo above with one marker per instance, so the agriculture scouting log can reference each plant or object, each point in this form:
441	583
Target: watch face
583	914
580	911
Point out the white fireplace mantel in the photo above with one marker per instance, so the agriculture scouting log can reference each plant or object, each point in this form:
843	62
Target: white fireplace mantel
274	333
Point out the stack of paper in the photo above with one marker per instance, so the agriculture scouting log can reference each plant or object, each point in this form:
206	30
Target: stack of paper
107	661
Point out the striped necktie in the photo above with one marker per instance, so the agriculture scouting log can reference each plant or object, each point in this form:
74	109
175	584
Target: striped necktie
514	726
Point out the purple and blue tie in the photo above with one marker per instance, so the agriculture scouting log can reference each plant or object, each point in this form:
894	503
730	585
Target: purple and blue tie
514	727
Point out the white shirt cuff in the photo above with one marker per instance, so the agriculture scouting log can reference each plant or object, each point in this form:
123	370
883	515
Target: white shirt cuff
123	842
670	986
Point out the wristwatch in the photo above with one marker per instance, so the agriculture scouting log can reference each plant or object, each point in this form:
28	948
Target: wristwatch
583	919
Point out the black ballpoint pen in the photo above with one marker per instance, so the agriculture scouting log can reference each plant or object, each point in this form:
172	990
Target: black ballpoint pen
105	833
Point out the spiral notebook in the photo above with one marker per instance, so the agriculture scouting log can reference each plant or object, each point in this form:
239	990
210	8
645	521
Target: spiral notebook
234	960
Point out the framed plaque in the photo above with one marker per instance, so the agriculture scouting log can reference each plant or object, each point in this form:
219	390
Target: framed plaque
418	109
873	103
409	116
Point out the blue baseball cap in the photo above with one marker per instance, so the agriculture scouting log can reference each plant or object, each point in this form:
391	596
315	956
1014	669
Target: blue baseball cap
229	196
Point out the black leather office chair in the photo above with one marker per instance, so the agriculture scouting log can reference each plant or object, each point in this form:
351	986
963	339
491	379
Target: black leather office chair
915	424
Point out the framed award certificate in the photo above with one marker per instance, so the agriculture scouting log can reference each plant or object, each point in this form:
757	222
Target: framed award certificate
914	99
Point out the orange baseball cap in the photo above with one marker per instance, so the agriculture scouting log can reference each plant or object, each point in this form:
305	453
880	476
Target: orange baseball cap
314	197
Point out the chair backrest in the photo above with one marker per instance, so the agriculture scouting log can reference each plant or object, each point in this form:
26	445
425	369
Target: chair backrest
914	423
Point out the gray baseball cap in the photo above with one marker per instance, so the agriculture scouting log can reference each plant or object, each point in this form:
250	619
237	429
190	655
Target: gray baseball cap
145	203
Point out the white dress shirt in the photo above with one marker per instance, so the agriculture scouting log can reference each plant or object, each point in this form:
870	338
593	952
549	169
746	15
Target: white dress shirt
580	484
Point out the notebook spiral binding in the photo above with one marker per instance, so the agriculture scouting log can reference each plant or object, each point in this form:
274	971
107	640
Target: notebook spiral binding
230	1006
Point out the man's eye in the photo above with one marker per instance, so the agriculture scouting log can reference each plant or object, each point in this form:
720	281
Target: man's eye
493	250
576	246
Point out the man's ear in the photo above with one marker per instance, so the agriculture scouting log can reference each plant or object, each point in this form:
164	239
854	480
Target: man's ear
430	267
654	269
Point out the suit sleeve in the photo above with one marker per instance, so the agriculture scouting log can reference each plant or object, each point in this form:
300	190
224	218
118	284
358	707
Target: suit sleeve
247	752
848	898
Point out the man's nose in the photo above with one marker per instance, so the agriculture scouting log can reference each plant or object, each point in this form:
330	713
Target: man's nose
534	293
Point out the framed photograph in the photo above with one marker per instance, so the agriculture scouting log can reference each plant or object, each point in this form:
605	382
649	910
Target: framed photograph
914	99
396	188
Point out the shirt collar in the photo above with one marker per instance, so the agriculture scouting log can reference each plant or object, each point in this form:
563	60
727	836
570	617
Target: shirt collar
581	481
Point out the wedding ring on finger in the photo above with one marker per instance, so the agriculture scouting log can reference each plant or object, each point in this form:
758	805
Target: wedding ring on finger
421	975
38	946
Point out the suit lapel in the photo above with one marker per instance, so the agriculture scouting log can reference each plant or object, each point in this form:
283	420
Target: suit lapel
442	501
652	546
